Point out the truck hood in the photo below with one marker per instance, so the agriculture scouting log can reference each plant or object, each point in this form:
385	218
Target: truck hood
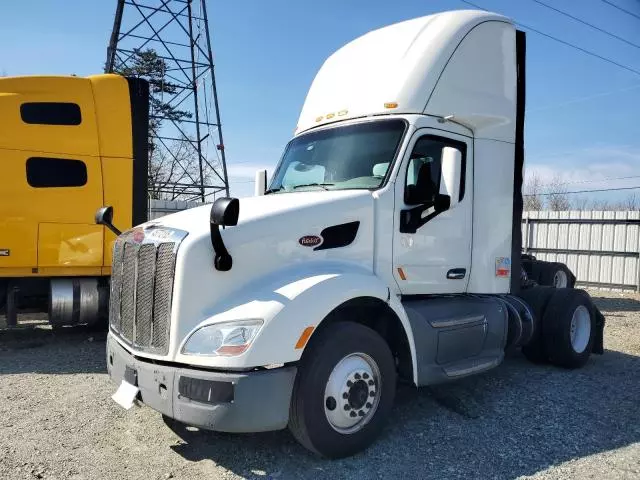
274	233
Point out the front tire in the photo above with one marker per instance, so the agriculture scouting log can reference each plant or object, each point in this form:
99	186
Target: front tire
344	390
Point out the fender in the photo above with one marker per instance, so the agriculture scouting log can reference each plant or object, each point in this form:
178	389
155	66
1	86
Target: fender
289	301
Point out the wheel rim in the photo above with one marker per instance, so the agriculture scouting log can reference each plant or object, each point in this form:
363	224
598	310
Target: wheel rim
352	393
560	279
580	329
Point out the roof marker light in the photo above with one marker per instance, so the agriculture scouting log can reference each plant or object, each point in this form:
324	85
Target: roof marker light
342	112
391	105
330	115
319	118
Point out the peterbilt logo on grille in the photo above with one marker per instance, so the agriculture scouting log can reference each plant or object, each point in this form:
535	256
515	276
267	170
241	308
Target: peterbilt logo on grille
159	233
138	236
310	241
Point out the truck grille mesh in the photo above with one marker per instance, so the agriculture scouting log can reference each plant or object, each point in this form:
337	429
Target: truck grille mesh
141	290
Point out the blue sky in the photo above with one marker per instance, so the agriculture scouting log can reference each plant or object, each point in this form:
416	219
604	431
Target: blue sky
582	119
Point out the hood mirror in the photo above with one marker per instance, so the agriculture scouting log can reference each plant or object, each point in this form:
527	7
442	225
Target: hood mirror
104	216
225	212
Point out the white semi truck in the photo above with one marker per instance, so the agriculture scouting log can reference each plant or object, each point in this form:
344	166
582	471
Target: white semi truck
386	247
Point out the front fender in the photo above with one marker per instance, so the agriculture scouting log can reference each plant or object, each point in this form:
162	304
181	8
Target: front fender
289	302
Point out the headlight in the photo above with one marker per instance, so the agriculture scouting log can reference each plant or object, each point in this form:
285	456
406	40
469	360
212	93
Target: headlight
226	339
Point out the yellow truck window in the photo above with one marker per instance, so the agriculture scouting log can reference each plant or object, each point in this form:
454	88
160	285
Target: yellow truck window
51	113
55	172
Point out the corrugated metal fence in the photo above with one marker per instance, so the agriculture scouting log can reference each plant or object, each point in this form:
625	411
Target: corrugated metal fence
601	248
160	208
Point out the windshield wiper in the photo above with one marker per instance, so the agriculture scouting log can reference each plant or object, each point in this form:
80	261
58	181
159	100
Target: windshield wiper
323	185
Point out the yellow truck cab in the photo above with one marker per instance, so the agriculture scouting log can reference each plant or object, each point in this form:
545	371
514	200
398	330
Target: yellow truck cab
68	145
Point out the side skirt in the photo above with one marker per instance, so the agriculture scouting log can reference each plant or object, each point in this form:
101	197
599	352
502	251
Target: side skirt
460	335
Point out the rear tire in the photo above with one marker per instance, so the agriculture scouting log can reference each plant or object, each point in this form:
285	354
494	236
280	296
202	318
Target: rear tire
569	328
344	390
557	275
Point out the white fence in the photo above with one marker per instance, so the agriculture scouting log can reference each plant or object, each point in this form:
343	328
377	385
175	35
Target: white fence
601	248
160	208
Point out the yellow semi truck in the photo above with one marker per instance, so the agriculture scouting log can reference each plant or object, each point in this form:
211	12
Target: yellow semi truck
68	145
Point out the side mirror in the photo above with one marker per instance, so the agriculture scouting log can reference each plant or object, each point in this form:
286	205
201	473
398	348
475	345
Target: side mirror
104	216
451	171
261	183
225	212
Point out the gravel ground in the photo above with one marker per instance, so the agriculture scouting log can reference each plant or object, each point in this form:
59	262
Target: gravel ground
57	420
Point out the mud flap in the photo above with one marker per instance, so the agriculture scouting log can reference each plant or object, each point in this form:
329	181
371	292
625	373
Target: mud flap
598	341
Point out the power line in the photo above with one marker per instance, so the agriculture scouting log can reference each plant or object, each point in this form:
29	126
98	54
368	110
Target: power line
595	27
584	99
568	44
581	191
621	9
592	181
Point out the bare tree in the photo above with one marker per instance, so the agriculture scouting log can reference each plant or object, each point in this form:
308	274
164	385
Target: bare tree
632	202
601	204
581	203
173	171
532	190
558	199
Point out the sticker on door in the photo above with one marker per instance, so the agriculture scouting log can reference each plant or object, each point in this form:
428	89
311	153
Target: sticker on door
503	266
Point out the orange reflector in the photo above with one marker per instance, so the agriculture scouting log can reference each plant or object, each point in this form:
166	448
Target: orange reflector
342	112
401	273
319	118
391	105
330	115
304	338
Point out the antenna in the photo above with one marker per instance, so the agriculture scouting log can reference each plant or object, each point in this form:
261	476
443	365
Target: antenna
168	43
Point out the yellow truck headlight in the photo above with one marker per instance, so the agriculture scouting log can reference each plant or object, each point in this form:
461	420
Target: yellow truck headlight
227	339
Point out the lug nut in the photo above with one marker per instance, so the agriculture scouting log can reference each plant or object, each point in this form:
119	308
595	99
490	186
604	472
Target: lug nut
347	406
365	375
349	383
372	394
361	413
371	382
353	414
357	376
368	405
345	395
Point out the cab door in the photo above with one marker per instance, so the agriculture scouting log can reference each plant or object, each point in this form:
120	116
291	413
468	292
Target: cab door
432	235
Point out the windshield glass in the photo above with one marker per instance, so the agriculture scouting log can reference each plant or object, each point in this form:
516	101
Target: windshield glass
350	157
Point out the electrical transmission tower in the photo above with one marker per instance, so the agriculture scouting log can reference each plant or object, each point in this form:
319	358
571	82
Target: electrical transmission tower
168	43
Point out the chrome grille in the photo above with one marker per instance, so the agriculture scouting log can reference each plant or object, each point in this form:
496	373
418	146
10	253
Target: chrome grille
142	286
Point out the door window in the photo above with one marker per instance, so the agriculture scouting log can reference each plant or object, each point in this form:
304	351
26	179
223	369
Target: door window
425	167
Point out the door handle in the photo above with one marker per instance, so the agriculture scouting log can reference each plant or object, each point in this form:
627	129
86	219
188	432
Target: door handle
456	273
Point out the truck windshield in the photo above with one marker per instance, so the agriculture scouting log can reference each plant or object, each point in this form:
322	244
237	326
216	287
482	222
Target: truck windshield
349	157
